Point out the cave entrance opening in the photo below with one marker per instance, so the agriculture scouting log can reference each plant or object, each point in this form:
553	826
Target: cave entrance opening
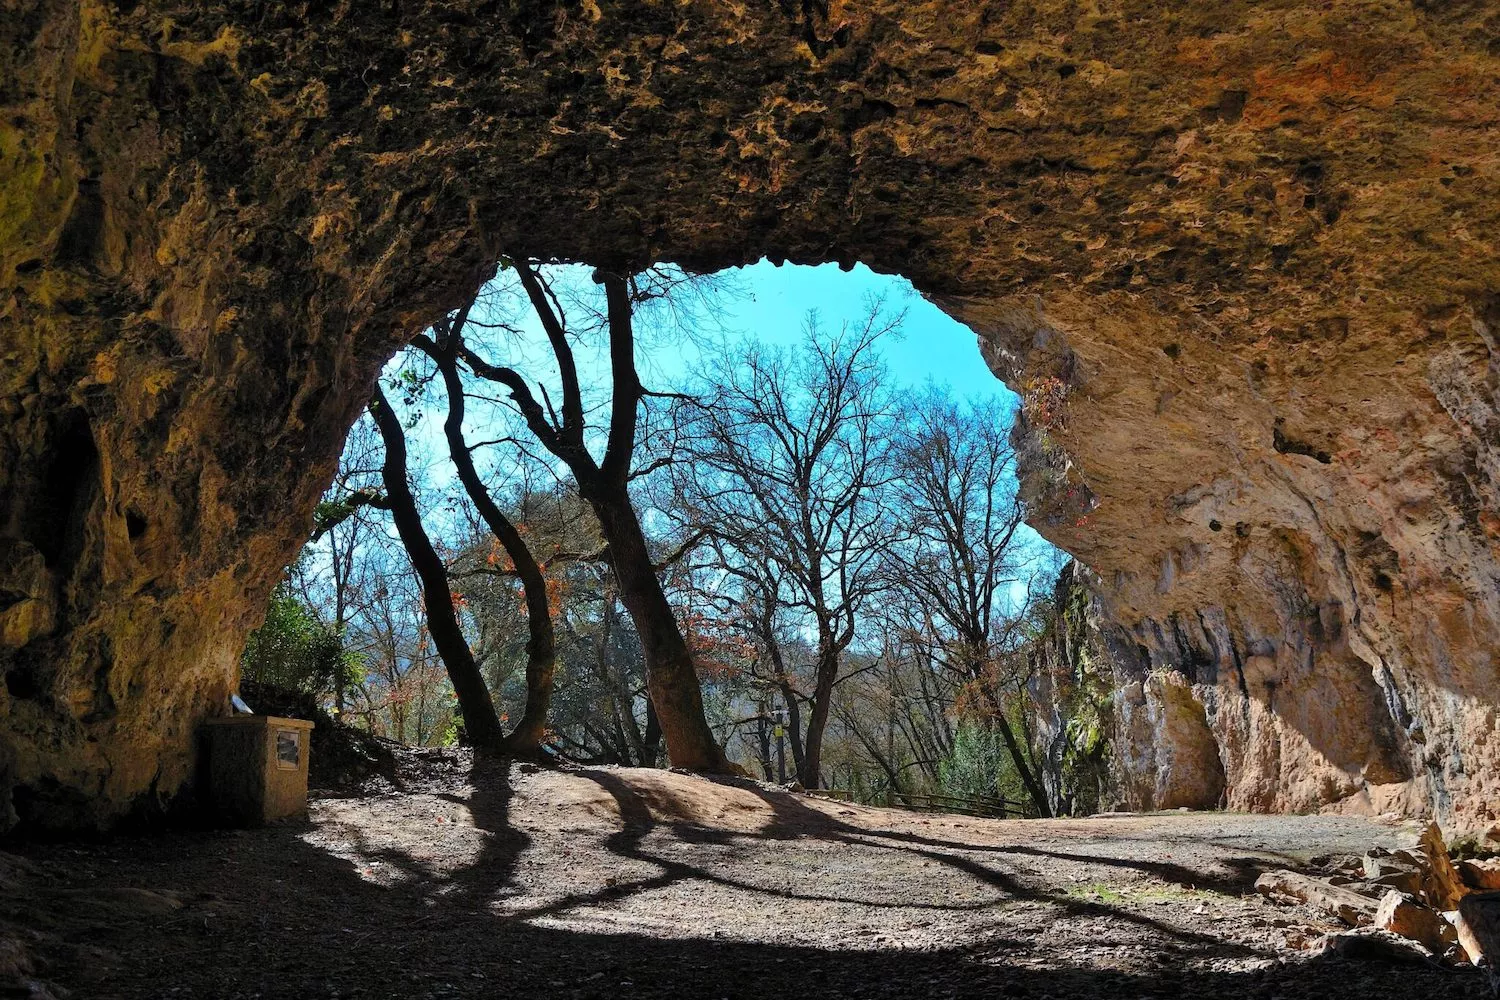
822	475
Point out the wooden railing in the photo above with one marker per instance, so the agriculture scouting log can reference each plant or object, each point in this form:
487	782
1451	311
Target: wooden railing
986	806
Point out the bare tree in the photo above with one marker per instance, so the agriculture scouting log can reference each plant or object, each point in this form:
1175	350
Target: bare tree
337	573
481	722
789	460
895	716
541	646
958	489
600	711
604	484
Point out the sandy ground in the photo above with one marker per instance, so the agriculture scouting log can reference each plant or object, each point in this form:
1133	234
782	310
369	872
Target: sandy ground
505	880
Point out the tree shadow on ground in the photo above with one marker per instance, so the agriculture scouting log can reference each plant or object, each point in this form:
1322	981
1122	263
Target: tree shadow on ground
492	868
268	914
792	815
489	806
794	819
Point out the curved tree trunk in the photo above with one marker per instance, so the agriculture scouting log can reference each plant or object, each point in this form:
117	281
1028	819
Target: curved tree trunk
671	677
480	721
541	643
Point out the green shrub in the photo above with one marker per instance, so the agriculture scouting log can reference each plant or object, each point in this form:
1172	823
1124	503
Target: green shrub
296	651
979	764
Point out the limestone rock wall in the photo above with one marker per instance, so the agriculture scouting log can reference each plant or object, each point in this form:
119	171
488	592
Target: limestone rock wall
1238	256
1115	730
1316	600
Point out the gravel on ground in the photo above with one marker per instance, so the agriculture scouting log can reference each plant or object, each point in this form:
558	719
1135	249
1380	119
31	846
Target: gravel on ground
479	878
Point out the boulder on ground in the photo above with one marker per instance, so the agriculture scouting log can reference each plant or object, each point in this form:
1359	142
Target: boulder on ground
1401	881
1442	887
1480	873
1478	927
1401	913
1353	908
1393	873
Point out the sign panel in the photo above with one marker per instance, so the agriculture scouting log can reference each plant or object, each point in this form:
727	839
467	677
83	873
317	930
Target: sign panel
288	749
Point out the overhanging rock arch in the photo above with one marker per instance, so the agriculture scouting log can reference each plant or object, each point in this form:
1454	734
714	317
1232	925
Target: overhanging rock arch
1244	248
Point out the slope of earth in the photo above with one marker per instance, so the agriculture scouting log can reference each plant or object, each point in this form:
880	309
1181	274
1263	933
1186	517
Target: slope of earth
490	879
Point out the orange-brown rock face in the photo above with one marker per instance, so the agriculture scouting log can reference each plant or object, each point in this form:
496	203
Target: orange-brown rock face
1238	257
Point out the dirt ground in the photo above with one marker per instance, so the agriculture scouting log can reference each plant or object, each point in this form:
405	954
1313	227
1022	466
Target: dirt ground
498	879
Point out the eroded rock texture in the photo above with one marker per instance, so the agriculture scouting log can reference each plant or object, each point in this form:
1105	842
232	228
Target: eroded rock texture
1239	257
1115	730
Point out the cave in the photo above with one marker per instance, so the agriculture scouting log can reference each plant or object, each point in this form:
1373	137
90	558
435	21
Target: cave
1244	243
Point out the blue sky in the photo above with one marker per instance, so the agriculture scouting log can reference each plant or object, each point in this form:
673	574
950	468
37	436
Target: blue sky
763	301
774	301
768	303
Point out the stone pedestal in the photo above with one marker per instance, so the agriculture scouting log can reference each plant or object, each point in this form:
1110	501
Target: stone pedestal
257	768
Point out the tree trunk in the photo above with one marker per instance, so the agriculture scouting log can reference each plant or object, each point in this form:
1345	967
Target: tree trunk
651	740
672	681
541	643
1033	786
480	721
810	769
763	741
793	725
338	622
671	678
617	676
1028	777
767	628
